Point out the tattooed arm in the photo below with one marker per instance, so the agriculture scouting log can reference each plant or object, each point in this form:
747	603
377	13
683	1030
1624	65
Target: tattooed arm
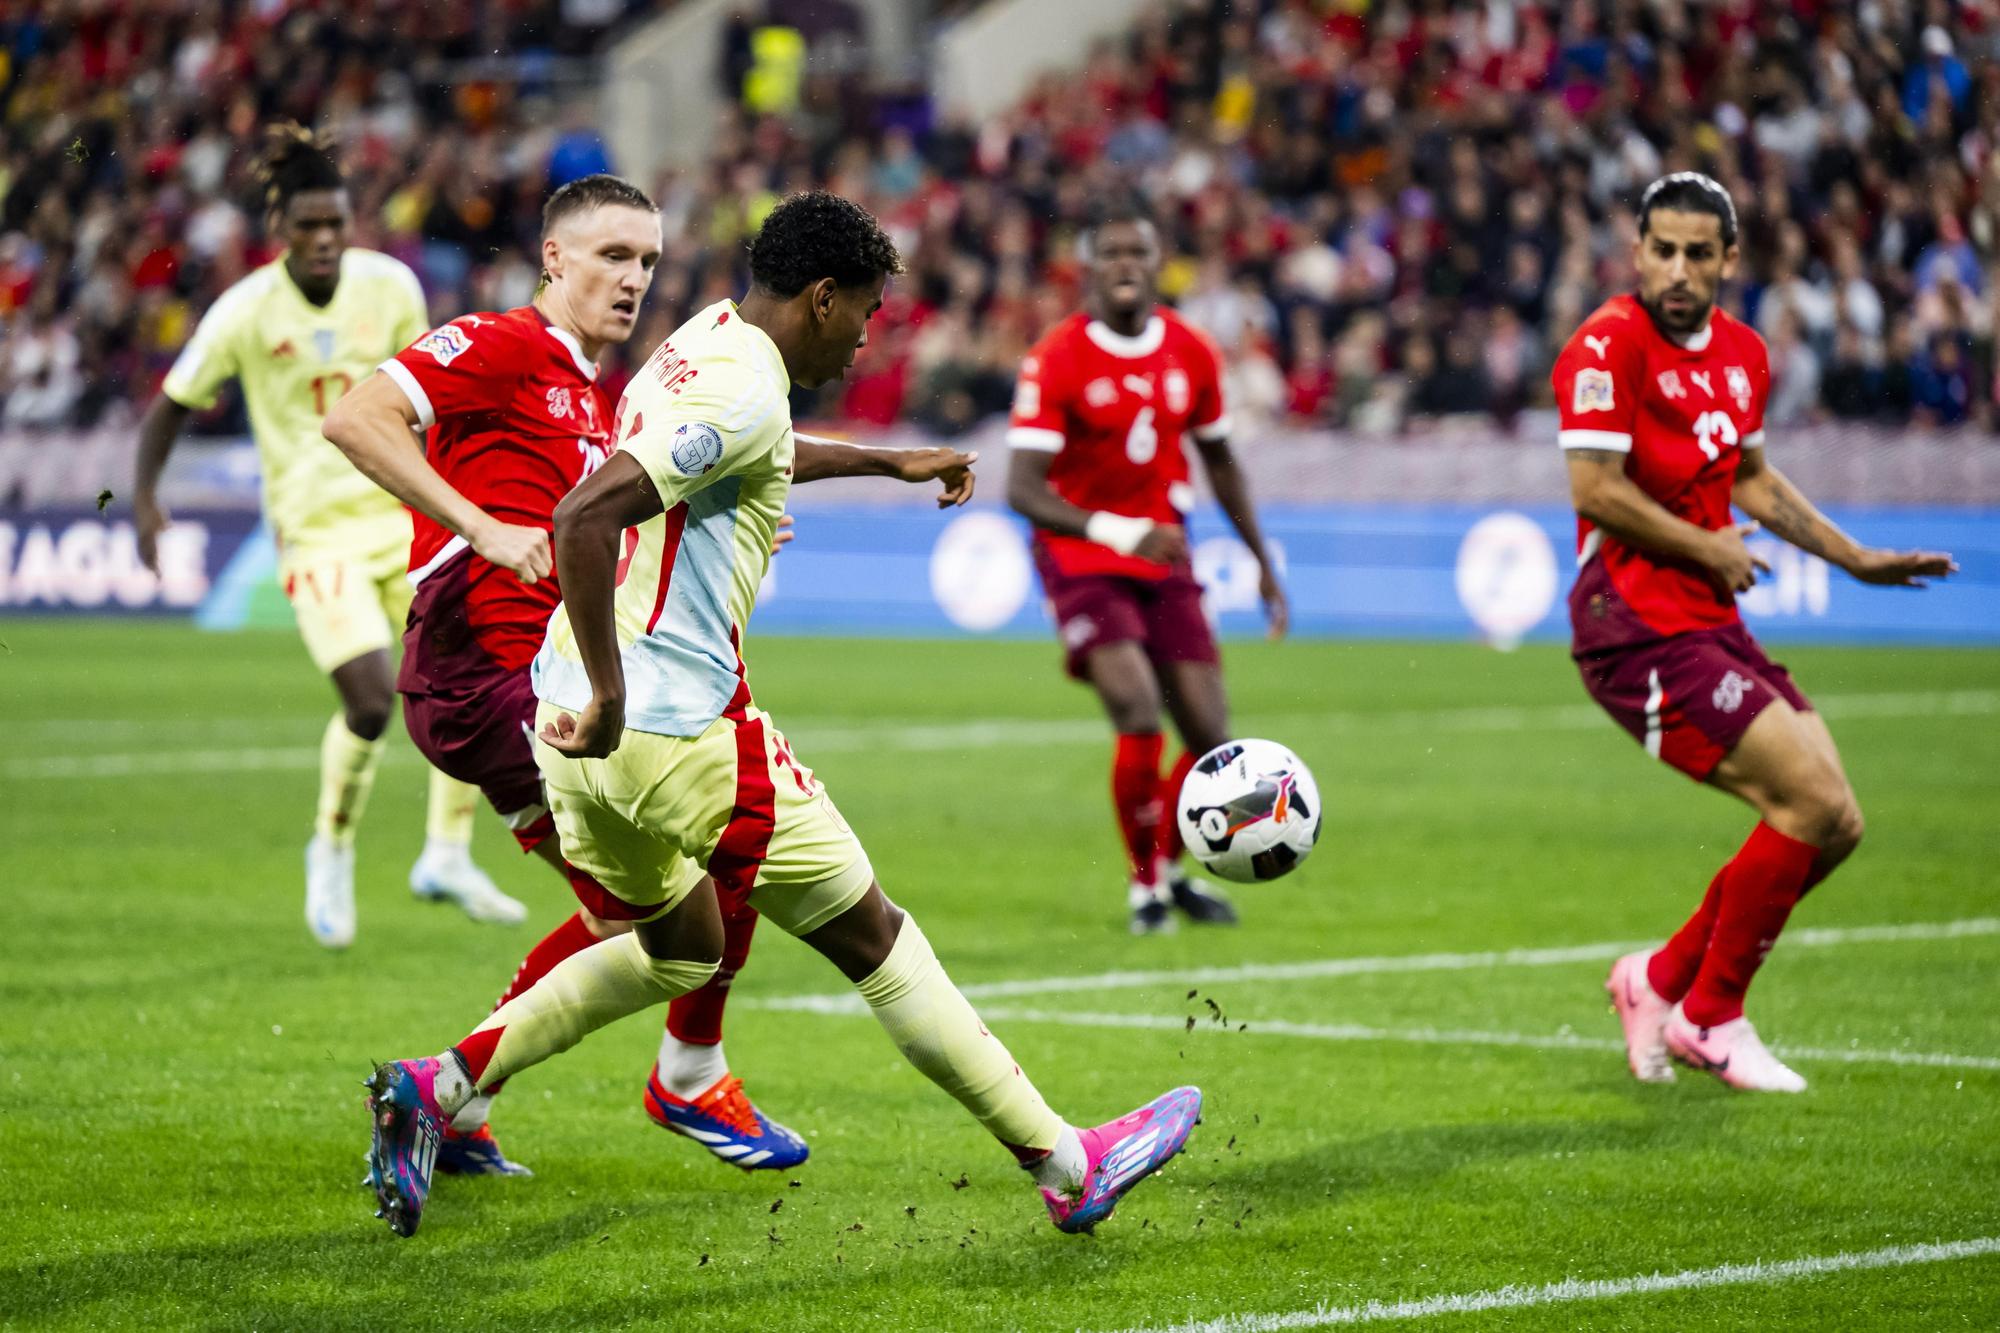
1602	493
1768	496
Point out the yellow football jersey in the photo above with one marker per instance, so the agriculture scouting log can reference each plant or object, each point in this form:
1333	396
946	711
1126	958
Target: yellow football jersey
709	419
295	360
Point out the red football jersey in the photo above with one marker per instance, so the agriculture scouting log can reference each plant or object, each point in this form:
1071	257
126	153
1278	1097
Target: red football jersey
514	420
1112	410
1681	415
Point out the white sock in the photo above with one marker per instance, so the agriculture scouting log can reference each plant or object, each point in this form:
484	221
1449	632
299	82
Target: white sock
454	1087
1141	894
1062	1170
443	850
473	1114
688	1070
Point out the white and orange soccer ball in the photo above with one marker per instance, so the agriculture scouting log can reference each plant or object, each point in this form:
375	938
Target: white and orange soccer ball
1249	811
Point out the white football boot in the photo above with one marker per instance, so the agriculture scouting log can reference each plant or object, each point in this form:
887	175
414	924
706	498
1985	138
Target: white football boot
1731	1051
448	874
1644	1015
330	891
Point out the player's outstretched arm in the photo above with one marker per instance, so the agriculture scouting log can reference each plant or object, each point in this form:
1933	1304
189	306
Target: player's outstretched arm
375	425
1768	496
1030	495
590	522
157	433
1602	493
1225	478
815	459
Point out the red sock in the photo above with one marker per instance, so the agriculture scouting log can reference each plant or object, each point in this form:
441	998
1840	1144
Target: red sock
1759	888
696	1018
1135	793
1671	971
1170	794
572	936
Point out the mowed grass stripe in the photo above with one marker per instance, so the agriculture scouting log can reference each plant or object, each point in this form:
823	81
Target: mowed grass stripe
1818	937
972	734
1569	1290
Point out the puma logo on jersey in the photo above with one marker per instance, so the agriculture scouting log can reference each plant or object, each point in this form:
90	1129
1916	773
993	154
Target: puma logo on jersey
1597	344
1142	387
1706	382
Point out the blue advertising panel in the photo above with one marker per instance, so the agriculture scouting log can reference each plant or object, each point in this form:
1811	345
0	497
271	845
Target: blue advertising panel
1423	570
1435	571
80	561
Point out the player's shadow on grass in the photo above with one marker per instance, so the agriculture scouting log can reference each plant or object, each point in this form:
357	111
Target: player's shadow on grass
367	1273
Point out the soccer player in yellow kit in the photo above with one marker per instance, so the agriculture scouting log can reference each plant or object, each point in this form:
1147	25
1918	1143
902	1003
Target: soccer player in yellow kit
672	790
298	333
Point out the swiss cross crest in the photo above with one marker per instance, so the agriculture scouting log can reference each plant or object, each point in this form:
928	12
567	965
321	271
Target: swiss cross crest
1176	385
1738	381
1670	384
1100	393
558	402
1728	695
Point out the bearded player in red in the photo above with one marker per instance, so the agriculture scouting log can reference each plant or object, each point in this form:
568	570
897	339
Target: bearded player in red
1662	423
514	420
1103	401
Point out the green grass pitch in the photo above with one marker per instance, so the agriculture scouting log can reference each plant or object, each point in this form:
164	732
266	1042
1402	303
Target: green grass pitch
180	1105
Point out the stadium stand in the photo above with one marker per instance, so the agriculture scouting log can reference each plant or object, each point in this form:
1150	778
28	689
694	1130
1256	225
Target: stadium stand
1389	215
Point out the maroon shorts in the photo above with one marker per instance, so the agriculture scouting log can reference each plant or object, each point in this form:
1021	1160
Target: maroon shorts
467	714
1163	616
1690	697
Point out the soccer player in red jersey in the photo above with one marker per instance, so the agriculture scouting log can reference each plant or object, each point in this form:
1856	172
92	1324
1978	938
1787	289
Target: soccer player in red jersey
1103	401
515	420
1662	423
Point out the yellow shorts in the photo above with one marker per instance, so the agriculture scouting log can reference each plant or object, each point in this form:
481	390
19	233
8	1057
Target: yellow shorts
650	820
348	603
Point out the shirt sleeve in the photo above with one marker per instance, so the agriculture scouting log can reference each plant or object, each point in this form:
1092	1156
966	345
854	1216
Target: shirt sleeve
209	360
453	368
1039	420
1596	382
686	447
1208	419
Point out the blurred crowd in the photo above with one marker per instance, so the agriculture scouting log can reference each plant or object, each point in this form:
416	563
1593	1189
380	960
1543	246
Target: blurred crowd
1390	215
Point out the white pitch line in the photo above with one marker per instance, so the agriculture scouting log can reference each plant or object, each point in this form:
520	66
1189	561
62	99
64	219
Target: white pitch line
1556	1041
1818	937
1569	1290
853	735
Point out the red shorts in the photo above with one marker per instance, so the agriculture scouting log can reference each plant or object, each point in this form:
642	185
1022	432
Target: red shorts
1163	616
1690	697
467	714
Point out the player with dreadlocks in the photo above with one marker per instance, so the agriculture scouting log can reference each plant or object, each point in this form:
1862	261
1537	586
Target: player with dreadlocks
298	332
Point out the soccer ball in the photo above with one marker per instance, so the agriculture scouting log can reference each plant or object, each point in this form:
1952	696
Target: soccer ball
1249	811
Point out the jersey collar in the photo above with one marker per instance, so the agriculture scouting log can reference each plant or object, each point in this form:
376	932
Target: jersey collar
1143	343
584	365
1699	341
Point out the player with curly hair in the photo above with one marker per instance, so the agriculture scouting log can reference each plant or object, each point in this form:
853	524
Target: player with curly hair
675	794
297	333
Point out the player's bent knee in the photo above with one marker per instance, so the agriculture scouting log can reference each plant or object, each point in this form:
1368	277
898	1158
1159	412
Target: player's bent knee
679	976
860	940
368	721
